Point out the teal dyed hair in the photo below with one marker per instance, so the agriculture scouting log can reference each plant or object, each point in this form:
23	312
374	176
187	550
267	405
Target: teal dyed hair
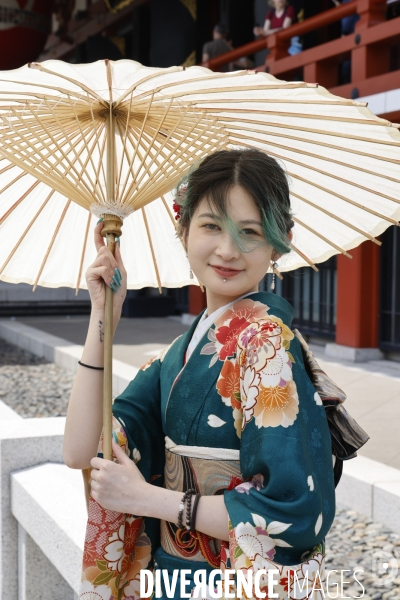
259	174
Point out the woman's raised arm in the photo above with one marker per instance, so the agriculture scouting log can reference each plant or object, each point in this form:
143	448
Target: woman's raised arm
84	416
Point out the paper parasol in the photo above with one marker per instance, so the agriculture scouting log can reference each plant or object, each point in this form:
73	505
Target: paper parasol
47	239
113	137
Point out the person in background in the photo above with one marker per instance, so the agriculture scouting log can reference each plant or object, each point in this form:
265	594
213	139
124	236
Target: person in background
219	45
348	24
280	16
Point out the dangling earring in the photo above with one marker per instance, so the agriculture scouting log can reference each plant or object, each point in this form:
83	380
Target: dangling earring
274	265
190	269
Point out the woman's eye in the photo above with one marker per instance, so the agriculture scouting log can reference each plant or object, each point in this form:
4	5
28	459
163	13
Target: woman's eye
249	232
211	226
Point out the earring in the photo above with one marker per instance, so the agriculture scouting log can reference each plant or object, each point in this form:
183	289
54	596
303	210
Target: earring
190	269
274	265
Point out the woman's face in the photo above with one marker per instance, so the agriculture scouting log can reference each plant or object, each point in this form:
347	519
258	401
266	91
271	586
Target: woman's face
226	271
279	4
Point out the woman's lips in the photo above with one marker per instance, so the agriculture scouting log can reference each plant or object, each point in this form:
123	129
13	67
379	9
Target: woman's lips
224	272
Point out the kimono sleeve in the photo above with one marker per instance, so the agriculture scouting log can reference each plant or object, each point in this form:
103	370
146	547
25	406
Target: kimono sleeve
137	411
118	546
286	504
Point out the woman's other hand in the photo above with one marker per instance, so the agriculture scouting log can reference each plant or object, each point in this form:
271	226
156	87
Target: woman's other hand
109	269
119	486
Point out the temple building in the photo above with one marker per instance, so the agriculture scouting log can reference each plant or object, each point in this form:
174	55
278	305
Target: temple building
351	305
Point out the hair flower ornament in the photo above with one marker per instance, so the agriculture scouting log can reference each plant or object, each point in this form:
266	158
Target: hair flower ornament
180	197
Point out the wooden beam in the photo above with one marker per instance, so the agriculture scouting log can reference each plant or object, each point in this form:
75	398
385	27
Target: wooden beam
98	19
367	87
337	49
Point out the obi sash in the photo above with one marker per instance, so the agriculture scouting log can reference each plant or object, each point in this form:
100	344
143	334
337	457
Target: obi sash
209	471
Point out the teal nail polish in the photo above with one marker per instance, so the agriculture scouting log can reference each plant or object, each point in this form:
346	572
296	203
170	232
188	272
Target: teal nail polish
118	273
116	281
100	220
118	241
112	286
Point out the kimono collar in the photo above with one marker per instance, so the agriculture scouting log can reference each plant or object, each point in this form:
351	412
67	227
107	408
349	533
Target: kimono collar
205	322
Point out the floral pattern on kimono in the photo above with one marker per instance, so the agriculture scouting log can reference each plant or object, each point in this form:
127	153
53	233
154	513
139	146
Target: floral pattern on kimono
257	377
116	546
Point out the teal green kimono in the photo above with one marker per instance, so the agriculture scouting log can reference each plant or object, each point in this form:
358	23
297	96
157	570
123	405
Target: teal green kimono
244	388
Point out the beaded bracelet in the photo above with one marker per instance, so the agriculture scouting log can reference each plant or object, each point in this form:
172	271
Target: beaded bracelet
188	509
182	506
194	511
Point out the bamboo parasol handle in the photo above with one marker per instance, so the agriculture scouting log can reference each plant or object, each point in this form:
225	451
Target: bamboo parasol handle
111	230
107	382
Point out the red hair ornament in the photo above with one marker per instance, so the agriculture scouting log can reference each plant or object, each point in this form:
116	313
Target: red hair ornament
177	207
177	211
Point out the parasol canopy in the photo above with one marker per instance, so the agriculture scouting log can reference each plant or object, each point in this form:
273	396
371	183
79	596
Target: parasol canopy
110	138
47	239
57	122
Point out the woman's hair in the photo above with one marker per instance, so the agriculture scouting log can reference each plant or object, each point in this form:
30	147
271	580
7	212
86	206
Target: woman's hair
259	174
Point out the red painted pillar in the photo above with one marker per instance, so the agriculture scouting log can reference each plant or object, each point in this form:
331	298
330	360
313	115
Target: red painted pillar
358	297
371	13
197	300
324	72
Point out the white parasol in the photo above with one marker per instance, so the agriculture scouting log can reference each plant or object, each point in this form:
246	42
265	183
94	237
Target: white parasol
111	138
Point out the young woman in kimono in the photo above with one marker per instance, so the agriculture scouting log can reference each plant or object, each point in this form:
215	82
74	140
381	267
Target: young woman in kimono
227	410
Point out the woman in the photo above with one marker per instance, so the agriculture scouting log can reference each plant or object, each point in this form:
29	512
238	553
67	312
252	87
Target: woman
280	16
235	382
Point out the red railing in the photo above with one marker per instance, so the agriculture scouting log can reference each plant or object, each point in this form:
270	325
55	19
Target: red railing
368	49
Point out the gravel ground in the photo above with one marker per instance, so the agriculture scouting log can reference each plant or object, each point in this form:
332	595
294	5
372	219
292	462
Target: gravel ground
35	388
357	542
32	386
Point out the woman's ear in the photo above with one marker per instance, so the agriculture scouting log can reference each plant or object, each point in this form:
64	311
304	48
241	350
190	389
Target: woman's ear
275	256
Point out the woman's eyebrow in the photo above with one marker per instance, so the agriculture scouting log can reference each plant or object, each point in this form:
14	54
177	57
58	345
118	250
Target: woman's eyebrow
208	216
217	217
250	222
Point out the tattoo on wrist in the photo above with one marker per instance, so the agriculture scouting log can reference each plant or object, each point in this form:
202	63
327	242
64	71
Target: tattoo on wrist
101	331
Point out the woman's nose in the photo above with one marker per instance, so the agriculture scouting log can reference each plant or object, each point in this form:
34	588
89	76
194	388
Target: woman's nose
227	247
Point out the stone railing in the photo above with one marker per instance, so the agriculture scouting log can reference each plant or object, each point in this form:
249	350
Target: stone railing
27	443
